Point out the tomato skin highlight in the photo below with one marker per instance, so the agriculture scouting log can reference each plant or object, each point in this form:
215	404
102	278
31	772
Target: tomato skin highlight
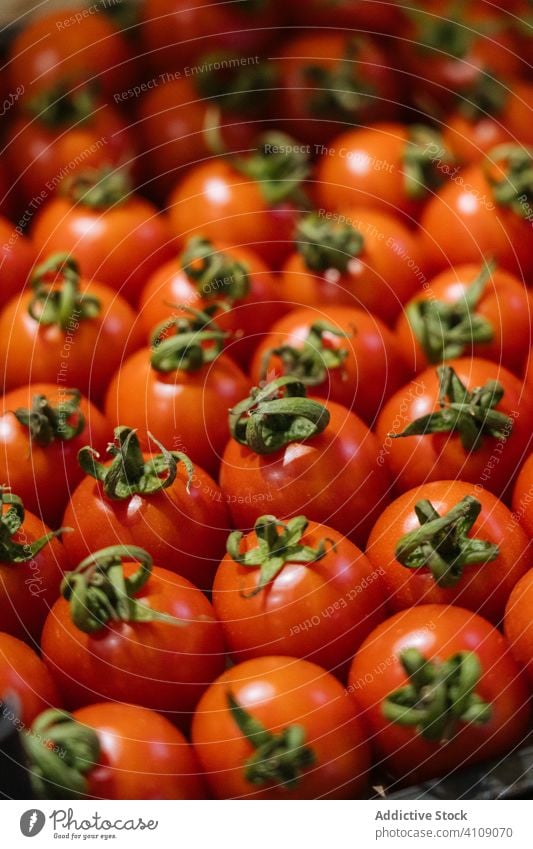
143	756
281	691
115	663
438	632
482	588
24	676
333	478
339	595
517	624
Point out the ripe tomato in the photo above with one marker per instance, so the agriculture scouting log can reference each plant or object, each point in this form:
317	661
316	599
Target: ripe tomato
299	587
483	211
17	257
63	133
297	456
160	653
251	201
26	686
342	353
479	437
65	329
211	272
472	555
67	44
438	689
330	80
179	390
523	497
474	309
117	237
360	258
177	32
518	626
129	753
172	509
389	167
308	742
31	566
42	428
353	14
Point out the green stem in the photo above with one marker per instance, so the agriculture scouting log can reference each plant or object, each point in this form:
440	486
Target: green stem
56	296
190	346
312	362
238	87
97	188
440	695
129	473
63	106
278	758
509	170
99	592
442	544
275	548
11	521
215	273
276	415
279	166
342	90
47	423
486	96
327	244
424	151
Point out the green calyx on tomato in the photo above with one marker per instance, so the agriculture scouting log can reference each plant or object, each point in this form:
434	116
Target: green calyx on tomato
275	415
278	543
57	298
341	90
129	473
442	544
222	79
423	152
448	33
196	340
311	363
215	273
440	695
62	105
509	169
99	592
468	413
46	423
327	244
443	330
61	752
486	96
279	165
11	520
97	188
278	758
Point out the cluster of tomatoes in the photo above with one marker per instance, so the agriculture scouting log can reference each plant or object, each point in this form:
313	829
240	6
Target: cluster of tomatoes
267	489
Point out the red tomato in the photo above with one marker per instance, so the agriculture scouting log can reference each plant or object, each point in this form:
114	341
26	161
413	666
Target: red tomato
518	625
389	167
482	212
69	44
523	497
469	660
325	465
375	16
342	353
217	201
472	309
26	686
140	655
65	329
17	256
42	428
292	702
305	589
129	753
332	79
210	272
178	32
472	556
182	522
477	447
117	237
31	568
360	258
182	403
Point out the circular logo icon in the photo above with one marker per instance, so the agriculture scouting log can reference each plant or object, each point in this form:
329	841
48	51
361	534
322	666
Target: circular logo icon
32	822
